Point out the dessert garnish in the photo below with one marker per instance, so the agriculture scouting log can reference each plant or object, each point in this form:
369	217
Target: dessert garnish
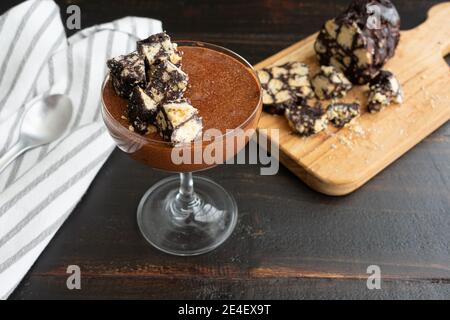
141	110
127	72
154	83
159	47
178	121
166	81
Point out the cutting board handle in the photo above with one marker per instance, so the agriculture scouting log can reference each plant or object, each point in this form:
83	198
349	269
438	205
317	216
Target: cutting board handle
438	25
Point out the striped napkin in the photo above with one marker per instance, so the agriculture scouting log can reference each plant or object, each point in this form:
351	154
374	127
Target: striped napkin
41	188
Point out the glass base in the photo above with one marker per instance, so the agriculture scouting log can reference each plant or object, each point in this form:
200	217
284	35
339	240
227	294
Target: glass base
187	228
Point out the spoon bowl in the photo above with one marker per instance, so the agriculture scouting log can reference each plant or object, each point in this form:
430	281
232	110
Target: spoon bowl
46	120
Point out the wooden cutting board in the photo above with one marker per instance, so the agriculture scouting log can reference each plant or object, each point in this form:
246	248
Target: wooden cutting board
338	162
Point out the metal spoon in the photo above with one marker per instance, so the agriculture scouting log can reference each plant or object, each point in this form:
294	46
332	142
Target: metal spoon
44	122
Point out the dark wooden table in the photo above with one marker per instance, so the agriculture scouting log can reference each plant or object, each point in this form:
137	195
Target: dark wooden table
291	242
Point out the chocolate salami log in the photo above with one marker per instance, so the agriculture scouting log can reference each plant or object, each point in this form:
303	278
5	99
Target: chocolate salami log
360	40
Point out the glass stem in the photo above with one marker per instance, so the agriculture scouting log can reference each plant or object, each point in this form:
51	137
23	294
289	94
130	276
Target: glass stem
186	193
186	202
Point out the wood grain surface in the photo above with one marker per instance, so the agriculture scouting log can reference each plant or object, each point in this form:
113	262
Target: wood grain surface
290	242
337	162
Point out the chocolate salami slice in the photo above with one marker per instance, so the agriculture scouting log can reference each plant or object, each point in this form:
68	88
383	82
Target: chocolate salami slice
306	120
284	85
167	82
127	72
141	110
179	122
385	89
299	80
340	114
277	95
360	40
329	83
159	47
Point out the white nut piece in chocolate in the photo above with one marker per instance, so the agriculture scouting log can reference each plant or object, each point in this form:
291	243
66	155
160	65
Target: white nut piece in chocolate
284	85
341	114
329	83
385	89
159	47
178	122
360	40
306	120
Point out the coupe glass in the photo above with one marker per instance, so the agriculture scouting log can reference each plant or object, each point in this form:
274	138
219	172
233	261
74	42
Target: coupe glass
184	215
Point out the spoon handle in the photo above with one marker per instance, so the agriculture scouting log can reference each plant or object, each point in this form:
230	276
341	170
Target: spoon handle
9	156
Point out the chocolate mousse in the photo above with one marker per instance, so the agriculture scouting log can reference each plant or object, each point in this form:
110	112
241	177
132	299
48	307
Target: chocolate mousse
222	89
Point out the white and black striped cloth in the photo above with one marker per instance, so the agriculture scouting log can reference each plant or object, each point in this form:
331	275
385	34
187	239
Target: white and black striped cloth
41	188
